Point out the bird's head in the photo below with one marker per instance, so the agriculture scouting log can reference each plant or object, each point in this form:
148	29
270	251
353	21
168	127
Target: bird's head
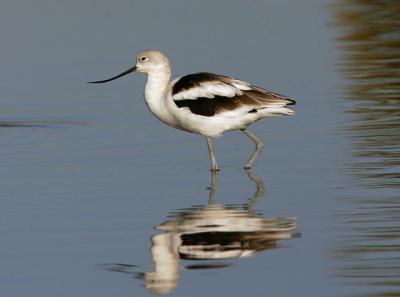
148	61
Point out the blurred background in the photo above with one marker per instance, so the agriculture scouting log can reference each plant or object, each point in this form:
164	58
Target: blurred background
98	198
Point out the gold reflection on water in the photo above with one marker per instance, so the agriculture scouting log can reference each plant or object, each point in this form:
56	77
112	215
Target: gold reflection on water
370	41
370	47
208	236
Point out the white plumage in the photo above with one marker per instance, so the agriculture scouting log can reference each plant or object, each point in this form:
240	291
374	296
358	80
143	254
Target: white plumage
207	90
205	103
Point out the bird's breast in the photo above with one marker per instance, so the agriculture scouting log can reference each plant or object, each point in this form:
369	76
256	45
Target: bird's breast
156	101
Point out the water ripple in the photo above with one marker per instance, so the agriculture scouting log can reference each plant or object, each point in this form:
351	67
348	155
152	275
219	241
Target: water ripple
370	219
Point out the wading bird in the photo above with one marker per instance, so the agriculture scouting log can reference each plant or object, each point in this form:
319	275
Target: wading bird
205	103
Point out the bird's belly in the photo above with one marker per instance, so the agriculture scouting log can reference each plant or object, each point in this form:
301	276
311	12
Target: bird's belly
166	111
183	119
165	117
208	126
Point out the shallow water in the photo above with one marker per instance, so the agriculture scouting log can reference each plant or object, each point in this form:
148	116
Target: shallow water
100	199
370	211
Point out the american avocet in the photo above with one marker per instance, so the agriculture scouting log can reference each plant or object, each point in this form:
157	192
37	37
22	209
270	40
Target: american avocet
205	103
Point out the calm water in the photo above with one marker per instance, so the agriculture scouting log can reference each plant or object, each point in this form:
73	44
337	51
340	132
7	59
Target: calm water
100	199
370	205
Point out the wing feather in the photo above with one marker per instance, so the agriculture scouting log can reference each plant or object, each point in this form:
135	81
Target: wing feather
208	94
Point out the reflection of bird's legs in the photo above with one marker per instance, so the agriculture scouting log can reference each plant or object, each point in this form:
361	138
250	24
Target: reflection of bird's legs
260	191
257	151
214	175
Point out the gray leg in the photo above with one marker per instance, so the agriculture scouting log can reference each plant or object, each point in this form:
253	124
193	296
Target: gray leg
214	166
257	151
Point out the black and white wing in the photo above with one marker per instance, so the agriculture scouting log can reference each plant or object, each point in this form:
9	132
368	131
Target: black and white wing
209	94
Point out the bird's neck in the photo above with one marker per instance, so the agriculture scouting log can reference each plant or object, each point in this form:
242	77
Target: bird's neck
157	84
156	89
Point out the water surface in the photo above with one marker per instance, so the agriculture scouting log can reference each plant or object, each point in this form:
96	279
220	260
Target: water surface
101	199
370	44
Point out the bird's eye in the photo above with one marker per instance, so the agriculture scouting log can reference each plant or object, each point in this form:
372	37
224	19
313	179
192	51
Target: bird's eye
143	59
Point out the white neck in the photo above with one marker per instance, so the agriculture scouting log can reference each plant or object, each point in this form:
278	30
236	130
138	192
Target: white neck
155	90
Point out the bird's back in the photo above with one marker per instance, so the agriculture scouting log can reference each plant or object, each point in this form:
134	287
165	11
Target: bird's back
209	94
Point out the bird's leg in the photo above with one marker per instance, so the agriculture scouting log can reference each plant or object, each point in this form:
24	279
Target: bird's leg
214	166
257	151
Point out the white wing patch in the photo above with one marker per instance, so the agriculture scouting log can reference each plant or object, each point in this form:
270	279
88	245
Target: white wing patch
241	85
210	89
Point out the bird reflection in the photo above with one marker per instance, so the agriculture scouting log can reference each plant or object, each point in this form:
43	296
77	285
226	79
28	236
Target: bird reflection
214	233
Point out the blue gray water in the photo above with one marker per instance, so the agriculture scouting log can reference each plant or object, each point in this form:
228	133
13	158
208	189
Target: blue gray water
101	199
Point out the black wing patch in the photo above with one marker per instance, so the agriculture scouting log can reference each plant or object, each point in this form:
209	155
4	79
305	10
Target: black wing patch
209	107
193	80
